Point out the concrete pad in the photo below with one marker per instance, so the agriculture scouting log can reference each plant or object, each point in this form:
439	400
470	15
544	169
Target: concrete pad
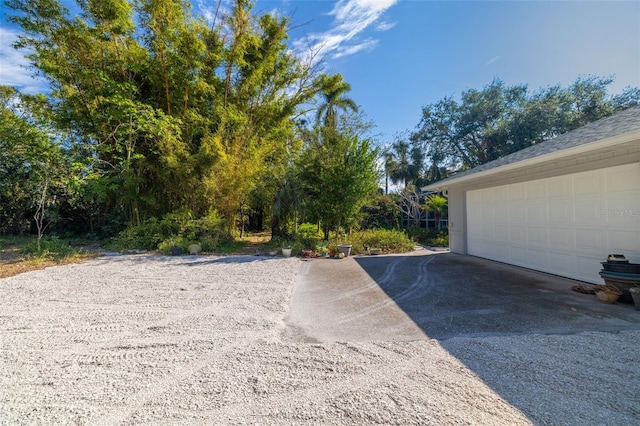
429	295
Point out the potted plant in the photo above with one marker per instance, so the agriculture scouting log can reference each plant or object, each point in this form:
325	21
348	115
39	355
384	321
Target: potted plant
286	250
345	249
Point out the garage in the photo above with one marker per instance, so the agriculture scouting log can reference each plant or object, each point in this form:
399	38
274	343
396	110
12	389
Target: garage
560	206
561	225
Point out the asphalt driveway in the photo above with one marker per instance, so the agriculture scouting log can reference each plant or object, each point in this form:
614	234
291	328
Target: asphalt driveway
429	295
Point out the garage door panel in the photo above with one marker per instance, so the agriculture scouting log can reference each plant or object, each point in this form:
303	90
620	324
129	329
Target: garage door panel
621	211
537	213
518	213
538	258
536	190
588	267
516	192
564	225
620	179
589	240
501	213
561	212
625	242
587	183
501	194
518	234
559	187
479	246
519	256
561	263
588	212
561	238
502	252
537	236
501	234
488	231
487	213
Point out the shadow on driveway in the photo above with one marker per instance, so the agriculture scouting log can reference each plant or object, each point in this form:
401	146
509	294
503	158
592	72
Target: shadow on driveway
509	326
440	296
449	295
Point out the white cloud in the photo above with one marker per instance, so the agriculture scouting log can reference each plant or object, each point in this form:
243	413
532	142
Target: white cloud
13	66
385	26
351	18
350	49
492	60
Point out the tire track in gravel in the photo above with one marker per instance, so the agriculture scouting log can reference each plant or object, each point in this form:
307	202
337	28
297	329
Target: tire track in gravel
223	347
179	374
420	286
386	276
407	373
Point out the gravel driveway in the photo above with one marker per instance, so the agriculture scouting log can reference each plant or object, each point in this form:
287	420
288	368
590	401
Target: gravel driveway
205	340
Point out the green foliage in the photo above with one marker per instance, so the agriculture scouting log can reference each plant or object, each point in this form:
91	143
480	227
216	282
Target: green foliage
389	241
430	237
34	169
164	111
50	247
333	89
308	230
382	212
179	229
498	120
338	177
438	205
306	237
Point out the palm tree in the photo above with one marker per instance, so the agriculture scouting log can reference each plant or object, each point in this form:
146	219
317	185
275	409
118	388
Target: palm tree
438	205
333	89
389	166
401	171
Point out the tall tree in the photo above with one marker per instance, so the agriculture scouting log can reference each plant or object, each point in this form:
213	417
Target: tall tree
33	165
405	163
171	112
338	176
333	90
498	120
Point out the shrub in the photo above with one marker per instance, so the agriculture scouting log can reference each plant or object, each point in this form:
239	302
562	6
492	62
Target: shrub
431	237
176	229
51	247
308	230
389	241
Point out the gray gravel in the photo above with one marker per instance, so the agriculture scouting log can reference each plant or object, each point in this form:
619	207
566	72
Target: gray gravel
203	340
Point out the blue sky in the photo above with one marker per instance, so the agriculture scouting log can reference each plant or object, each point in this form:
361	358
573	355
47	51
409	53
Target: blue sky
401	55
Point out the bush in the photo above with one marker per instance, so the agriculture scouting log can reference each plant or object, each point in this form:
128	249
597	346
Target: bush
389	241
309	230
51	247
176	229
430	237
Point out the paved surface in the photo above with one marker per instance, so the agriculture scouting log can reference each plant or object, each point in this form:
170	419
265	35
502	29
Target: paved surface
441	295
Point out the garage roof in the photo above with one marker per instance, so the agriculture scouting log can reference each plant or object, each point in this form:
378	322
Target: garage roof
620	128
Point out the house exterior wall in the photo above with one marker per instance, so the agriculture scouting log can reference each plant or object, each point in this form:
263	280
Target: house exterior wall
457	208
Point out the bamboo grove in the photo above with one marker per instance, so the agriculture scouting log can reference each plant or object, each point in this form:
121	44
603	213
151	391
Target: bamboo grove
152	110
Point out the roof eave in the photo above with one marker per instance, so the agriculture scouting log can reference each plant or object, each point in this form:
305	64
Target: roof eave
557	155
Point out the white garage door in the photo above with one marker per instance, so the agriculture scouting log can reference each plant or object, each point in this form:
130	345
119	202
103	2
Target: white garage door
564	225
